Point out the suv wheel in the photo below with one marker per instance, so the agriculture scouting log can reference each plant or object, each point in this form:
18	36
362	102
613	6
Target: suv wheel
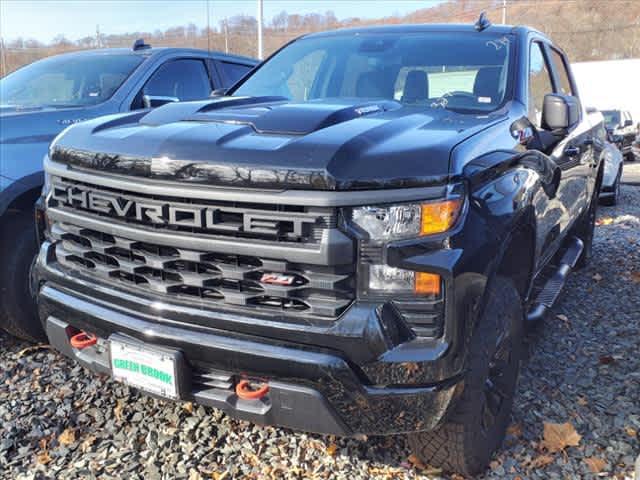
18	312
476	427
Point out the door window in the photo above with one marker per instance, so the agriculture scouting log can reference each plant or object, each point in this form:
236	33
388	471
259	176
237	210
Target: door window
539	83
561	71
184	79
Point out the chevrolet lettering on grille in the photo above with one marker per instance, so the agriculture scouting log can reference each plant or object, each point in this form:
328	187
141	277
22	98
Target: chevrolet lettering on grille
180	215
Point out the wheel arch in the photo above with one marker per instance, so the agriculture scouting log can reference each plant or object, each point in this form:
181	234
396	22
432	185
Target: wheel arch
517	260
21	195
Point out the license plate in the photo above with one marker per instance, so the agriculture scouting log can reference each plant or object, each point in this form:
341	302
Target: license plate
149	369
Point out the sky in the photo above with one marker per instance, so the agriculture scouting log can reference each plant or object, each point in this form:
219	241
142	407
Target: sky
43	20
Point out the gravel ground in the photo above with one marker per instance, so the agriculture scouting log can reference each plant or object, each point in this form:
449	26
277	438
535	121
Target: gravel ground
59	421
631	172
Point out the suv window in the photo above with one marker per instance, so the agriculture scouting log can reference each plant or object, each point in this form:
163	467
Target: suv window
539	83
184	79
561	71
233	72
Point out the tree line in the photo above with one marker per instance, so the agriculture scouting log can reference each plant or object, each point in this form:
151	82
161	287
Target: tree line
587	29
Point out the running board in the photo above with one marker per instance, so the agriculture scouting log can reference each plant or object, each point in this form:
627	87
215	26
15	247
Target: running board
551	290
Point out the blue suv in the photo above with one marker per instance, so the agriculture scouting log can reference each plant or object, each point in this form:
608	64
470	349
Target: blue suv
39	100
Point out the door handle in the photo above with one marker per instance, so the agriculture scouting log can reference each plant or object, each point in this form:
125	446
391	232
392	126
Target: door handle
572	151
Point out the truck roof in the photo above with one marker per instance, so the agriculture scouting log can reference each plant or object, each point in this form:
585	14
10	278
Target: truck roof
428	27
147	52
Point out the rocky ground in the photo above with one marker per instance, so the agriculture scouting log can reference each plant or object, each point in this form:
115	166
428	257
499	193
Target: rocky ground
59	421
631	172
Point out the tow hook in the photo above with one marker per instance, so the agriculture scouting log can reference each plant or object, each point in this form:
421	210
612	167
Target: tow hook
247	390
83	340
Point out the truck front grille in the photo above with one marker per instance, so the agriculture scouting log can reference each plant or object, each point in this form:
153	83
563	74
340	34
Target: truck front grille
215	278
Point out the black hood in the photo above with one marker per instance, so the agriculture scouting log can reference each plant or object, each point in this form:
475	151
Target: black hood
271	143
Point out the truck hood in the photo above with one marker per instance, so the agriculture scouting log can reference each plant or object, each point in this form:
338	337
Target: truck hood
268	142
22	125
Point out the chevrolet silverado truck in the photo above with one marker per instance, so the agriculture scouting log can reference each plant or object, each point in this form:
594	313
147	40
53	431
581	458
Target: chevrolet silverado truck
350	241
41	99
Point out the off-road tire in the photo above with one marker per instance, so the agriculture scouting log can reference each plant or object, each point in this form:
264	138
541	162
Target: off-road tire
18	247
465	443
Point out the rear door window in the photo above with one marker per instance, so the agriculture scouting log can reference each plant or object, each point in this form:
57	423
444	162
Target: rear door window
232	72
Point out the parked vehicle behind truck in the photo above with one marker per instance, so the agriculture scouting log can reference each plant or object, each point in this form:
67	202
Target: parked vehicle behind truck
622	129
353	241
39	100
612	159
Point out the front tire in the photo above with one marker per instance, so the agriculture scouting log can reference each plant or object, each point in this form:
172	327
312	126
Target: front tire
18	311
476	427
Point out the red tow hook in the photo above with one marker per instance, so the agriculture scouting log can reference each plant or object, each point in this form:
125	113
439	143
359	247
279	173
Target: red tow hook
83	340
246	390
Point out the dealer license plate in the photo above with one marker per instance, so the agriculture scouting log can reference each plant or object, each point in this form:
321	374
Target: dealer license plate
149	369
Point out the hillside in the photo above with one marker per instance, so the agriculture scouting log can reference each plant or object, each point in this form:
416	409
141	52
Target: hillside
587	29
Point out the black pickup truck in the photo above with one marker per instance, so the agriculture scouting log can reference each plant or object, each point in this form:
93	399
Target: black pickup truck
352	240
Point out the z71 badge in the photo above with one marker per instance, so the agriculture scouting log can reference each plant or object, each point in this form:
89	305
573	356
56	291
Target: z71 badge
278	279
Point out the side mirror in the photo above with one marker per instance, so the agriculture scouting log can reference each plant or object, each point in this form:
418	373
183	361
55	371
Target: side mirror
153	101
560	112
628	123
219	92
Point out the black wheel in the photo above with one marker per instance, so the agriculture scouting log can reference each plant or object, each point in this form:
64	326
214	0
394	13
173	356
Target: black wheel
475	429
18	312
613	200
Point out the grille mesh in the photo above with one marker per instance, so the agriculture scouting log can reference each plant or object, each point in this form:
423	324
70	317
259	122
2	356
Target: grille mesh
223	279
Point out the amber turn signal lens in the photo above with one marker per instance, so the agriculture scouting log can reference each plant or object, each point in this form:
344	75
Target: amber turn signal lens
427	284
438	217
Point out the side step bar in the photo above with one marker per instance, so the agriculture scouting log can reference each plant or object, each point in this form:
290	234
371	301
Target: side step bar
551	290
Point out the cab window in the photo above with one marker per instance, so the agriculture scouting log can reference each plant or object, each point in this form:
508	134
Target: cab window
561	70
539	83
183	79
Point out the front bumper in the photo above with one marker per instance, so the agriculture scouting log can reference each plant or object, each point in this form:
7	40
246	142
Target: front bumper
319	381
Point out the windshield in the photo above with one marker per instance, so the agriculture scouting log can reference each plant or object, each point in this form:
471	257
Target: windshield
611	118
460	71
64	81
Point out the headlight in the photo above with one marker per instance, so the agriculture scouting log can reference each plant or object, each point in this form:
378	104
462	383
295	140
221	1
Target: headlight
389	223
395	222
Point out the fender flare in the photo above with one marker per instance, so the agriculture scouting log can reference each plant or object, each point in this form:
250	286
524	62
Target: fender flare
18	188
